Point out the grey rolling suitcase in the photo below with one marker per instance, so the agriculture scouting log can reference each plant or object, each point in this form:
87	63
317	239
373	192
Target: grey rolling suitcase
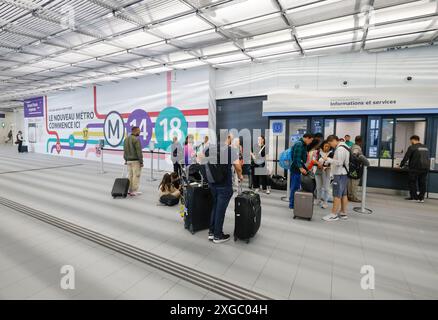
303	205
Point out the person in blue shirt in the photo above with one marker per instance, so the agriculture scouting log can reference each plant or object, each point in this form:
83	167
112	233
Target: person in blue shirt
298	167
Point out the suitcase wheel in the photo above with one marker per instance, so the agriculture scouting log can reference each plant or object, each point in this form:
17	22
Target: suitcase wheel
295	217
191	229
235	238
309	219
247	241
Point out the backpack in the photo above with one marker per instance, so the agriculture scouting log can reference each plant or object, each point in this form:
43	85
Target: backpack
169	200
285	160
355	166
216	173
424	157
308	182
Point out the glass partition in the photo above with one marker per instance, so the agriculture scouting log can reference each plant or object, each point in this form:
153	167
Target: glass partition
386	144
352	127
297	128
329	127
404	129
373	137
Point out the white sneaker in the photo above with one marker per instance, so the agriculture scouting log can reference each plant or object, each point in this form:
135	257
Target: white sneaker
331	217
137	193
256	190
343	217
268	191
324	205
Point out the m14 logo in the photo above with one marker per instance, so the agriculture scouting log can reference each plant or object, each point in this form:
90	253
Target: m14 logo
114	129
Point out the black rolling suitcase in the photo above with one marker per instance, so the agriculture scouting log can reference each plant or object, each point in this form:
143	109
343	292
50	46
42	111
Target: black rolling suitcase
198	202
248	214
120	187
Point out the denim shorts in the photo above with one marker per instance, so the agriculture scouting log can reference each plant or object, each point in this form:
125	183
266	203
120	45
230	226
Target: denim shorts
340	185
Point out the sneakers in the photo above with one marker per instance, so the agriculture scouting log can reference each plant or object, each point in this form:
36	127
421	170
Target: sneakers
210	236
420	201
343	217
331	217
324	205
268	191
256	190
224	238
136	193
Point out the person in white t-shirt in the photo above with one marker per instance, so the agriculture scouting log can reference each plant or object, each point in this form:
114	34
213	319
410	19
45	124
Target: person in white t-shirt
338	164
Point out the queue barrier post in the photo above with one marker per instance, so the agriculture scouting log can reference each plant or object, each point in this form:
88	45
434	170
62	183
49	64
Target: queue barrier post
152	165
286	198
362	208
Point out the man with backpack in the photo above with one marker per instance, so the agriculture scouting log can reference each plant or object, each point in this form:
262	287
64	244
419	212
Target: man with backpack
353	184
220	181
418	160
339	164
298	167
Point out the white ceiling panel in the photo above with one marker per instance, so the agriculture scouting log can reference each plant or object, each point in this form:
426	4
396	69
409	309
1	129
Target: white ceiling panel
205	37
403	28
331	26
70	57
154	50
281	56
216	49
135	39
155	10
141	63
98	50
378	4
266	39
334	49
235	11
252	27
325	10
46	63
181	26
330	40
232	64
174	56
189	64
275	49
401	40
404	11
158	69
226	58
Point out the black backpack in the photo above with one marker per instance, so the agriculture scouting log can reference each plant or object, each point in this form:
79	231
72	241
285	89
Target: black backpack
216	173
355	167
169	200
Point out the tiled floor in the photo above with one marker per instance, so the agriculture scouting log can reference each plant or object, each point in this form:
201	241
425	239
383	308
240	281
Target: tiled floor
288	259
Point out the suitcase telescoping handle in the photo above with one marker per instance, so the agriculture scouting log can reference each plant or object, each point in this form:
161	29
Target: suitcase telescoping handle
124	169
239	187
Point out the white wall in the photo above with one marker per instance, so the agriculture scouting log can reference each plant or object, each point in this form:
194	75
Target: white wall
361	70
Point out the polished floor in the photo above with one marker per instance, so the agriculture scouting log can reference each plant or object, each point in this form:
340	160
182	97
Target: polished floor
288	259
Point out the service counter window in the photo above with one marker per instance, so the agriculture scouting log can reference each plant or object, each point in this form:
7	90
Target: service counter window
373	137
297	128
350	126
329	127
406	128
386	143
